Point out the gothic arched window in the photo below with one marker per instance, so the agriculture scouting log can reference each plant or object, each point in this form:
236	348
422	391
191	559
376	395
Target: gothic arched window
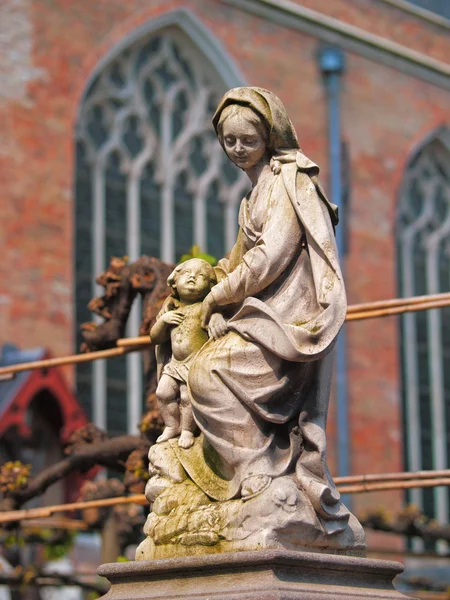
151	179
423	238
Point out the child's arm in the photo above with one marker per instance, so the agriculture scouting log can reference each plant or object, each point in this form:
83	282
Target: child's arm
160	332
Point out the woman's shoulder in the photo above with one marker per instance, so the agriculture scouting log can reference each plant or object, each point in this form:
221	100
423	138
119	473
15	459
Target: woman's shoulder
293	160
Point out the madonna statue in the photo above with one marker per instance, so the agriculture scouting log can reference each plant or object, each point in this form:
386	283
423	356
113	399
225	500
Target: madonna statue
256	475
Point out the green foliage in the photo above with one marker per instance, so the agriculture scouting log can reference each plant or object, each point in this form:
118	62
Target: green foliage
195	252
11	539
61	548
45	534
122	559
14	477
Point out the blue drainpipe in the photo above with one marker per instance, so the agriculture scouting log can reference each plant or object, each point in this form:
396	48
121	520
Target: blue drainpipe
332	65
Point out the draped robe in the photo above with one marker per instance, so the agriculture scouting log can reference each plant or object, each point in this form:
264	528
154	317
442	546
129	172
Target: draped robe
260	394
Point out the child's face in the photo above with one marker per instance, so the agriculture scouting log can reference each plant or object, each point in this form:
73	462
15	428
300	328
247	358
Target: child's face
192	281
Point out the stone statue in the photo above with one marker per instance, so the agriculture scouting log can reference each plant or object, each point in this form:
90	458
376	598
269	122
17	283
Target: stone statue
191	282
256	477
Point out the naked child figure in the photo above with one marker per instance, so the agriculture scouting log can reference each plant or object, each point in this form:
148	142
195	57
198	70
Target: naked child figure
180	324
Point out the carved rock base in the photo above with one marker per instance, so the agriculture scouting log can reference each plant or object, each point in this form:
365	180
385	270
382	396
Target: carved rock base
185	522
263	575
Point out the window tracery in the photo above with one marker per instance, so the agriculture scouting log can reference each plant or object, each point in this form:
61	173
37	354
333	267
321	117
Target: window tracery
150	179
423	237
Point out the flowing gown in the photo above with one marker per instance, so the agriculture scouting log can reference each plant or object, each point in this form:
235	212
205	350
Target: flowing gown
260	394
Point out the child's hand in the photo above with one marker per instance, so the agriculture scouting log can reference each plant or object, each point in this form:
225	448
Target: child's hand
170	303
173	317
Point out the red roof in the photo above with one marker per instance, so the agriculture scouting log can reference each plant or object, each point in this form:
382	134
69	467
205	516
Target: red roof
17	394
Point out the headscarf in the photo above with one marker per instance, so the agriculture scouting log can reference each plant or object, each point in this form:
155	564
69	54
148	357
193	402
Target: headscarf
282	139
281	132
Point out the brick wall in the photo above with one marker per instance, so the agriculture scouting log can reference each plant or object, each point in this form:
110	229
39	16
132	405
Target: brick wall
392	22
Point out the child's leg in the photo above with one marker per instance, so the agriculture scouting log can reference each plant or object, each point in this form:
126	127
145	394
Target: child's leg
188	425
167	395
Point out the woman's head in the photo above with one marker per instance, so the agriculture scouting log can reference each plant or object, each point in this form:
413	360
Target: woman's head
243	135
265	111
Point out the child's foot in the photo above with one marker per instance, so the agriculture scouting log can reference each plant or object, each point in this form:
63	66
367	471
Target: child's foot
186	439
168	434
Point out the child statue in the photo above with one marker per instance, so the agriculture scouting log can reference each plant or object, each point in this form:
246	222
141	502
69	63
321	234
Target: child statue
191	282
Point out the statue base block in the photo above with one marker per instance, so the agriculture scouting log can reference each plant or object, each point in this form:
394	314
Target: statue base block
261	575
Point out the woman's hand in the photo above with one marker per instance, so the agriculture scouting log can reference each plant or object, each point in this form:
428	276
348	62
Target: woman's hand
217	326
208	306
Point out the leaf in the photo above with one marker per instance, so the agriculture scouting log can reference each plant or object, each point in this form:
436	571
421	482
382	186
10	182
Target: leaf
195	252
122	559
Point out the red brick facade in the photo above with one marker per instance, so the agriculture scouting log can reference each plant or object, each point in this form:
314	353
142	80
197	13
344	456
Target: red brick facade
385	113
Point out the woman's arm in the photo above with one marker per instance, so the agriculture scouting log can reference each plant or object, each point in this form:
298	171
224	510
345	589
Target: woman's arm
264	263
225	265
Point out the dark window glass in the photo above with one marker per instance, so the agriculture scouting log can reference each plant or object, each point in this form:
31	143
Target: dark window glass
116	395
183	216
150	213
215	222
83	267
115	209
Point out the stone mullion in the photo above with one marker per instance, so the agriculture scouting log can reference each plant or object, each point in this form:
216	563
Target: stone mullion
134	363
99	403
167	200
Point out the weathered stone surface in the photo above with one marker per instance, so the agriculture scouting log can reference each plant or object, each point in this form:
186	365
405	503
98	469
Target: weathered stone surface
263	575
185	522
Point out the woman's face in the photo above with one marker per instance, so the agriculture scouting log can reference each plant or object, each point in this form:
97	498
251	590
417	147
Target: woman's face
243	143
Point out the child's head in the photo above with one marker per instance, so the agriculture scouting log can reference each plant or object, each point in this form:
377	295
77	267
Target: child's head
192	280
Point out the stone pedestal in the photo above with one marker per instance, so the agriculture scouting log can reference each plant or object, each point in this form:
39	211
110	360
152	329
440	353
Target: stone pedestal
261	575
